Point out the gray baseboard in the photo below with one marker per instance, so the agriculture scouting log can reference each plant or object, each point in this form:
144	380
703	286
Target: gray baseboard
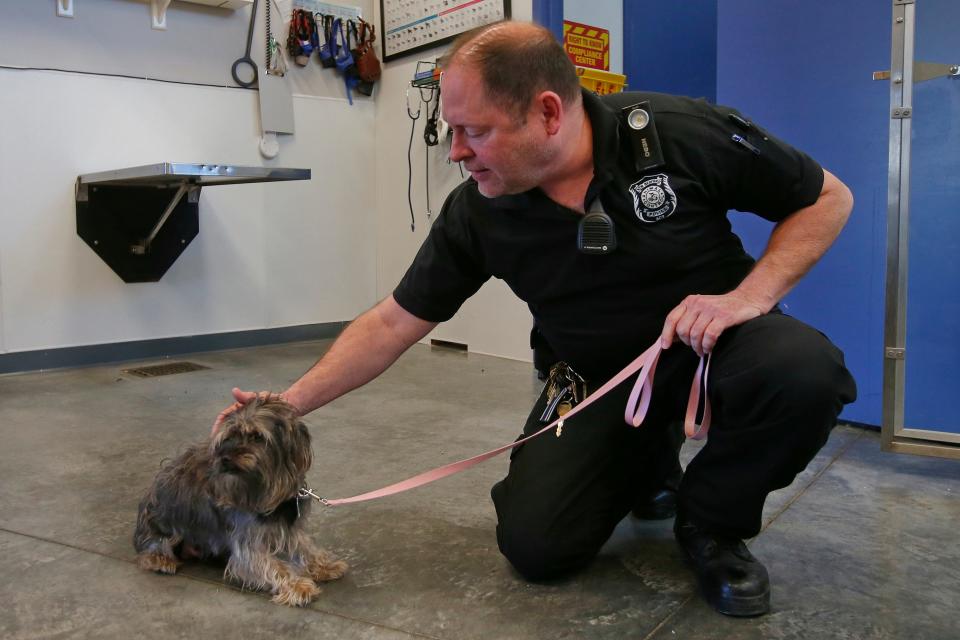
23	361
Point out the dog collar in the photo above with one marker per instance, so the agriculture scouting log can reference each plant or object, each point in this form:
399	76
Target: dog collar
288	509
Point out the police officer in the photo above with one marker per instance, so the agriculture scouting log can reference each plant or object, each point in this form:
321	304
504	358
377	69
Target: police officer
654	176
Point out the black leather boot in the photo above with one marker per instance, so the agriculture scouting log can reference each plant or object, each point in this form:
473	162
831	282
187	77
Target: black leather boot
732	581
657	506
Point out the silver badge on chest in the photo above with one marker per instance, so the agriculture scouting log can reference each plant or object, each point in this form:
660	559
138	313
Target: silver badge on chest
653	198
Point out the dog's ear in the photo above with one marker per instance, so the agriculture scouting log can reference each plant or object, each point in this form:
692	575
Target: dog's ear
301	450
302	431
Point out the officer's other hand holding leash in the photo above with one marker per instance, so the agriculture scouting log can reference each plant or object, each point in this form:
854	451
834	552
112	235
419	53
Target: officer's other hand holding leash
699	320
796	243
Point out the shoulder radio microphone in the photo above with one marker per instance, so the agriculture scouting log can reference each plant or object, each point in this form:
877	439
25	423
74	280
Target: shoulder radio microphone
596	234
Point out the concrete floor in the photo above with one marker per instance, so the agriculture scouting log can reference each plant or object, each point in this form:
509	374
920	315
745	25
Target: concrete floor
862	545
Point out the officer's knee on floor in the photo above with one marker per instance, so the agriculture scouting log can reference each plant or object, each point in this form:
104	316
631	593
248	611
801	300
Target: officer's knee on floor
536	557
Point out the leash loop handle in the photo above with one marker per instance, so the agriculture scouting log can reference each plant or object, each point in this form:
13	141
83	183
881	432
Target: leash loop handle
639	401
693	429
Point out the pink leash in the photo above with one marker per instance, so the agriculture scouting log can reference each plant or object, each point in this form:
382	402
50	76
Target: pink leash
637	406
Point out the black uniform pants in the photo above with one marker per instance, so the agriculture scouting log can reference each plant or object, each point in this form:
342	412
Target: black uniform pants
776	387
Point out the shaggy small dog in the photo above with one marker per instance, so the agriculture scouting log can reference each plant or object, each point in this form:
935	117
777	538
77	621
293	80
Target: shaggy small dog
236	497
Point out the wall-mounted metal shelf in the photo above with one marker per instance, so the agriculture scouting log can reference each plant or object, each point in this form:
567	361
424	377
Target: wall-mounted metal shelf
167	173
158	9
140	219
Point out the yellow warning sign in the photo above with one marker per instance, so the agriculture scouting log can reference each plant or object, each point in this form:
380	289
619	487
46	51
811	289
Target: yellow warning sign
587	46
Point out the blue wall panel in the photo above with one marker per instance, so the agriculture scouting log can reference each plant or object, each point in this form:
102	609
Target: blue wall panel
671	46
667	46
549	13
803	70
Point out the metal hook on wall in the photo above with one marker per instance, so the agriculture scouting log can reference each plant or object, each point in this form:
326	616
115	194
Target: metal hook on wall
410	113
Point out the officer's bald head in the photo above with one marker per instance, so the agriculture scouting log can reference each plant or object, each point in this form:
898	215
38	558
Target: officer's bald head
516	61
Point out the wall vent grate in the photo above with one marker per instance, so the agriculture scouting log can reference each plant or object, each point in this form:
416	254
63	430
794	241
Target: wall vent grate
447	344
167	369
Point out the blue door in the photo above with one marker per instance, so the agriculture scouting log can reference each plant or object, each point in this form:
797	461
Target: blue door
933	283
923	354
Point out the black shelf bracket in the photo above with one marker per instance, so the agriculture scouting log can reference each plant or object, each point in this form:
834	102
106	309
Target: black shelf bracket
140	220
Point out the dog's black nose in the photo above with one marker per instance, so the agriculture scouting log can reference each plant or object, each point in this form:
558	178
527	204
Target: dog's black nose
227	464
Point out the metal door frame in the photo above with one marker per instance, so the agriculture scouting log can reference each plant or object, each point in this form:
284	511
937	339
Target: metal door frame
895	436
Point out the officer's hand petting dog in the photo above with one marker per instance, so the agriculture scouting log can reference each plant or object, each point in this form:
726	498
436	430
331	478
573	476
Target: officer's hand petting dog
242	399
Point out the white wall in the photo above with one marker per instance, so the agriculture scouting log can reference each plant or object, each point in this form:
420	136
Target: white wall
494	321
268	255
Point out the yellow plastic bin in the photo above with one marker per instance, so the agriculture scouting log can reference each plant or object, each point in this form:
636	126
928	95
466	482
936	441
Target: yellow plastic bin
601	82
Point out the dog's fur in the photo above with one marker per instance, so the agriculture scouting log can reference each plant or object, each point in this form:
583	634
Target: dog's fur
235	497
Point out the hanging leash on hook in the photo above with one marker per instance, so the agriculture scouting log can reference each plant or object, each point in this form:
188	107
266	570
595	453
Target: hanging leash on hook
413	125
425	99
426	173
431	136
430	133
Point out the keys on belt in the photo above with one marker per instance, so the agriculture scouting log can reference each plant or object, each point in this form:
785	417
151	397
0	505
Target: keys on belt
565	388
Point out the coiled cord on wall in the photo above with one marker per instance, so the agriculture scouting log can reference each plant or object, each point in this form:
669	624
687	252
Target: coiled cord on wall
269	37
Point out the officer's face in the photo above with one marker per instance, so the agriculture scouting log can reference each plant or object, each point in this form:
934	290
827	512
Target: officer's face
503	154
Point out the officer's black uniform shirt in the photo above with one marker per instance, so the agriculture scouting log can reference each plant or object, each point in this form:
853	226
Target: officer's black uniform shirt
598	312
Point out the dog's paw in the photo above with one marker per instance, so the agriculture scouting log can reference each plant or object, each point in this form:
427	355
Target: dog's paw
157	562
327	571
297	592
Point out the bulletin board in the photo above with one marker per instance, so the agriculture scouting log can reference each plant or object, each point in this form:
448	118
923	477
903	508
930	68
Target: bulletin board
407	26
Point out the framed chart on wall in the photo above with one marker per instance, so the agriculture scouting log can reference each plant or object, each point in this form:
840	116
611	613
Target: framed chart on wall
407	26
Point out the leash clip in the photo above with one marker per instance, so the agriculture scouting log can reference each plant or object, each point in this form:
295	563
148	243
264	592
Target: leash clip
305	492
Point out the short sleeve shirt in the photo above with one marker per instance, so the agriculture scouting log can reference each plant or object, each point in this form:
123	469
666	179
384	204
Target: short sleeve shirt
598	312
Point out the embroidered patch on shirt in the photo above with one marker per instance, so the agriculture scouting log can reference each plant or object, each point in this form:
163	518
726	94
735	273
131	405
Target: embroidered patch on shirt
653	198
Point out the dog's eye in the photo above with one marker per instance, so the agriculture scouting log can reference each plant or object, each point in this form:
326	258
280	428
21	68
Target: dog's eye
256	436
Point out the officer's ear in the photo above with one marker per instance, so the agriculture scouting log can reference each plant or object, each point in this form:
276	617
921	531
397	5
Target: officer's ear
548	110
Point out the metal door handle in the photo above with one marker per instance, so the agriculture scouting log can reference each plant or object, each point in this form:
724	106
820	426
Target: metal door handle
923	71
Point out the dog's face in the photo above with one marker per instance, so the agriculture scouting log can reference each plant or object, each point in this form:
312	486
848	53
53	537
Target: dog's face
259	457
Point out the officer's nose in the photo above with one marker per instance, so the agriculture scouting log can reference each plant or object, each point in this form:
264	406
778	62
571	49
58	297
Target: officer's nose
459	149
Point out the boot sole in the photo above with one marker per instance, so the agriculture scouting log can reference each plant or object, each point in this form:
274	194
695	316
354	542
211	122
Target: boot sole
748	607
744	607
655	513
